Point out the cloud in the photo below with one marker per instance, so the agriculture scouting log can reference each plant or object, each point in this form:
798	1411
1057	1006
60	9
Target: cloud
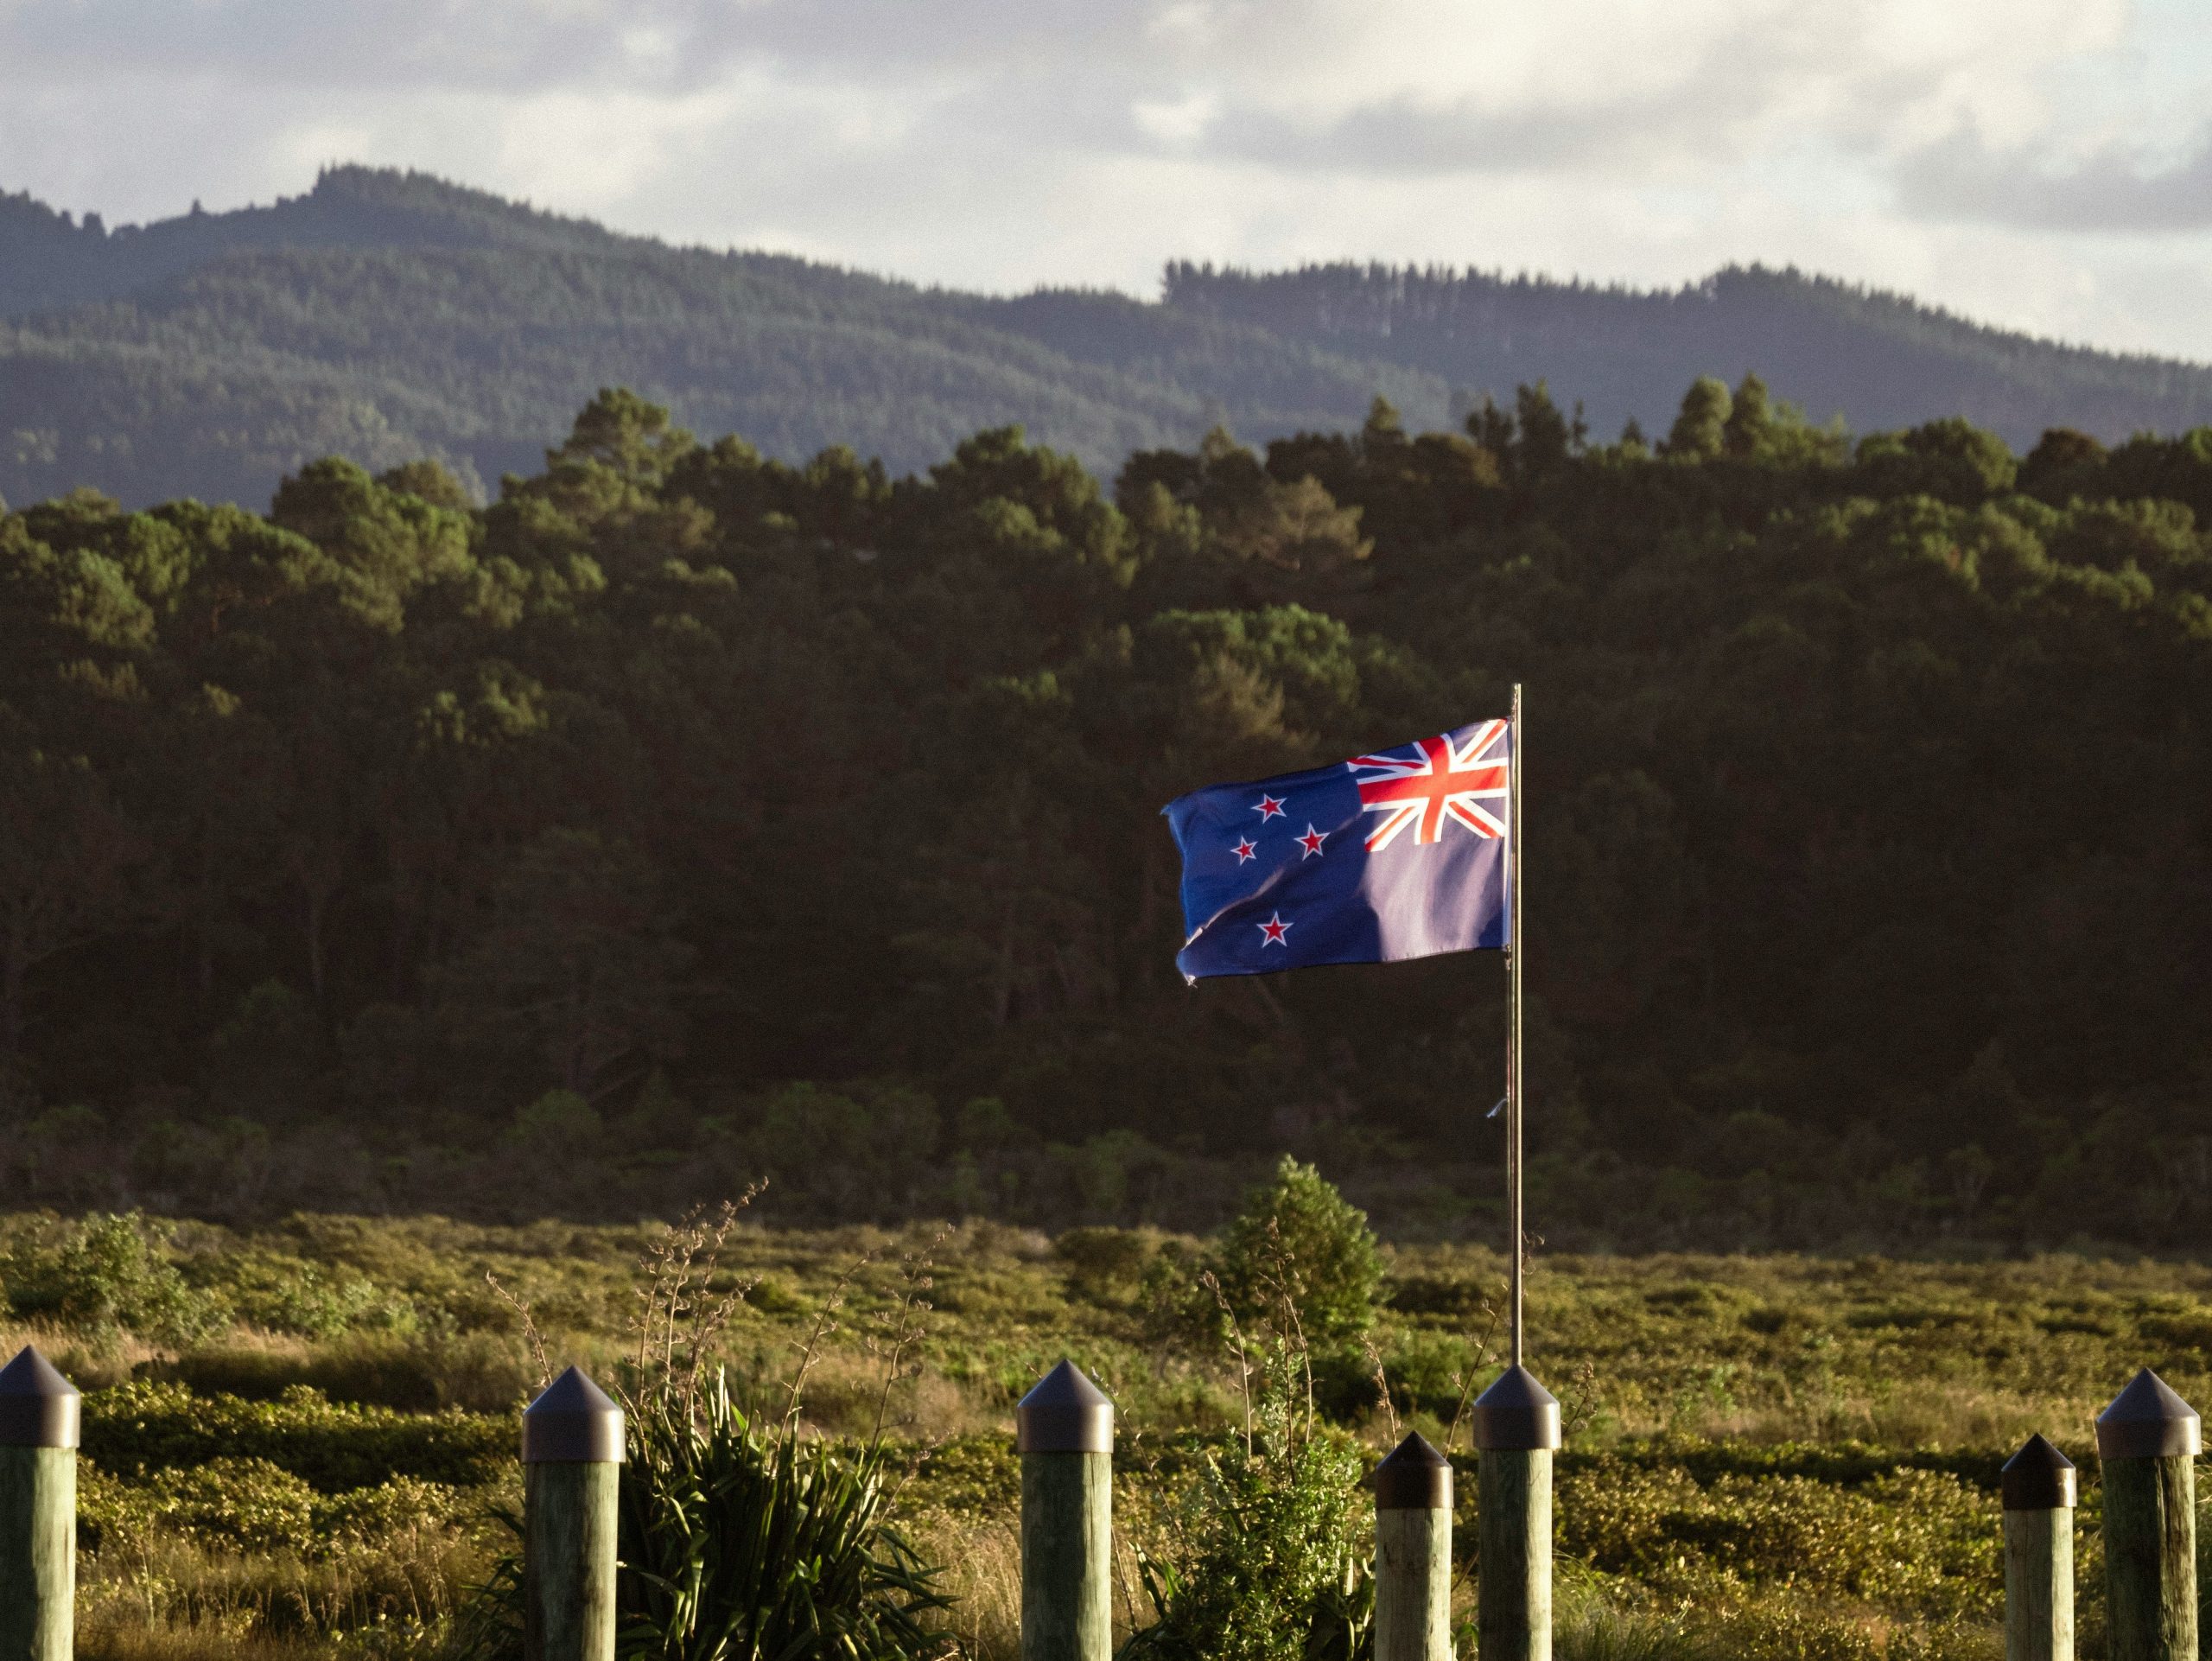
2119	188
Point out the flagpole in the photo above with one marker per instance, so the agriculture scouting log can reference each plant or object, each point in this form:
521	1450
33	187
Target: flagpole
1513	1030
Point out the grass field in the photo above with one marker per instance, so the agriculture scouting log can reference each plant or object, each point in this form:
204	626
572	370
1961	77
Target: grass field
296	1439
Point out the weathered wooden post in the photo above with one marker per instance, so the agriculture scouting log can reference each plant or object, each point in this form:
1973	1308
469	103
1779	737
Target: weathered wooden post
1064	1429
1413	1554
39	1421
2038	1484
1516	1430
572	1470
2147	1442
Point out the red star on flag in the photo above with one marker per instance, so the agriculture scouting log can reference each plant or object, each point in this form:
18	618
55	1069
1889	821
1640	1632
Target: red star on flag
1244	851
1275	928
1269	807
1312	841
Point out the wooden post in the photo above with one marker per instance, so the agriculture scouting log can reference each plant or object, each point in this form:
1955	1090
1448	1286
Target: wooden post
2147	1442
2038	1489
1064	1433
39	1419
572	1469
1413	1554
1516	1430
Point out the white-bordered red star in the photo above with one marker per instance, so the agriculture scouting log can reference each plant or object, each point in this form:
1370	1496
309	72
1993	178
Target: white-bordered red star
1269	807
1244	849
1275	930
1312	841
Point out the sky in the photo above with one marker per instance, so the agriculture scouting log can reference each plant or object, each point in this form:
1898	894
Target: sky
2039	165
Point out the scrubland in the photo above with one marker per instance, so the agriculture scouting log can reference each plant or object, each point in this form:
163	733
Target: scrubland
299	1440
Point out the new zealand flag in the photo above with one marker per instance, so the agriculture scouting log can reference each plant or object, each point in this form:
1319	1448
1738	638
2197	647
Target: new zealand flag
1402	854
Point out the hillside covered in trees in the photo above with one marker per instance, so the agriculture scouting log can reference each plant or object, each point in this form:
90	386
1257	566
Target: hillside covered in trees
389	317
685	816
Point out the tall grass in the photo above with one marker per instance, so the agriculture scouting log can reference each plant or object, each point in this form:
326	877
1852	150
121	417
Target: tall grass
177	1600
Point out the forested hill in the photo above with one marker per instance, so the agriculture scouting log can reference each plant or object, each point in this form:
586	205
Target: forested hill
1878	360
387	315
684	818
392	316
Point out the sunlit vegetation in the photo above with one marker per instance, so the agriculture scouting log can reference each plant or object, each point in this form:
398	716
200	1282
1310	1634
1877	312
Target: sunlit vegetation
1767	1455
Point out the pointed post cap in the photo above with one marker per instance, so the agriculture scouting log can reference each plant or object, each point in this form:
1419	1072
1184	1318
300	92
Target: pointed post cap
573	1421
38	1407
1516	1414
1415	1477
2148	1420
1065	1414
2038	1478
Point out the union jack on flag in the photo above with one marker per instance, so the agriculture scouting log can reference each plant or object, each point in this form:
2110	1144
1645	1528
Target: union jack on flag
1440	779
1399	853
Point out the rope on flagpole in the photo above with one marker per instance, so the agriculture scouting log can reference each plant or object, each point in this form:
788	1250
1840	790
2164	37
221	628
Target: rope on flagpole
1513	1030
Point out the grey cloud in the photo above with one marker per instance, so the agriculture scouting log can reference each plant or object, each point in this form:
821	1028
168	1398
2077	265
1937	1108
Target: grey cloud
1962	178
1055	75
537	45
412	44
1718	108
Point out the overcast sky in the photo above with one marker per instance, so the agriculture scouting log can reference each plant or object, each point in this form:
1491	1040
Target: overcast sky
2043	164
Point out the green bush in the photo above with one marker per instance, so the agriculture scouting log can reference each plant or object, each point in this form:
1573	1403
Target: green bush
251	1506
1297	1241
1269	1545
289	1294
1105	1266
1912	1540
1272	1544
479	1371
245	1505
1428	1372
107	1274
139	1428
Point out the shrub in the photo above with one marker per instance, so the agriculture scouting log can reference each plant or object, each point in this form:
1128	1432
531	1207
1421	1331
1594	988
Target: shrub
764	1544
107	1274
1105	1266
744	1544
479	1372
288	1294
139	1428
1297	1240
1918	1540
1270	1559
252	1506
243	1505
1270	1547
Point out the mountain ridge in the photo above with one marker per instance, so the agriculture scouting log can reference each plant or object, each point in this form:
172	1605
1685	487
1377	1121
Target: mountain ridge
391	315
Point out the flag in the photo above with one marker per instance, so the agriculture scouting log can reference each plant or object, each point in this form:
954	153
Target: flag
1403	853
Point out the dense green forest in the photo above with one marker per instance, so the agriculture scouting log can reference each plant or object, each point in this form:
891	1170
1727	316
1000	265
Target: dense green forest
685	817
388	316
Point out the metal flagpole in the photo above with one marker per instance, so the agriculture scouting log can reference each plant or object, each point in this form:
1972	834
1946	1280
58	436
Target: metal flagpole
1517	1420
1513	1023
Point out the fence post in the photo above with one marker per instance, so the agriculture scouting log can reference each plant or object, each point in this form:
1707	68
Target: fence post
1413	1554
39	1421
572	1469
2038	1489
1517	1430
1064	1429
2147	1442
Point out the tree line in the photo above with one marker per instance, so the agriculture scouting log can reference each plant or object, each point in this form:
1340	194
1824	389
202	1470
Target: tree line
685	817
